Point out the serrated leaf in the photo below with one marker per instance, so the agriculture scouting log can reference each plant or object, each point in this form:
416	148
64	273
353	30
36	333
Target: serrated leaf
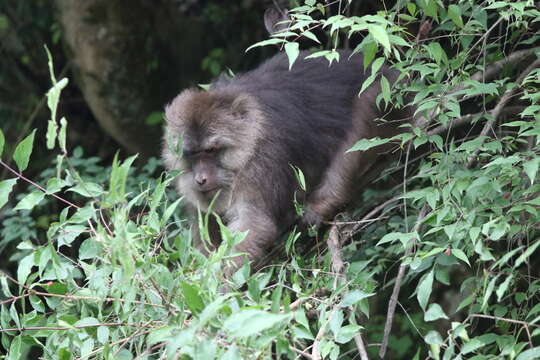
380	35
89	249
265	42
461	255
503	287
25	268
292	51
489	291
6	187
346	333
192	297
424	290
530	354
23	151
252	321
353	297
433	338
434	312
103	334
454	13
366	144
531	168
404	238
311	36
29	201
526	254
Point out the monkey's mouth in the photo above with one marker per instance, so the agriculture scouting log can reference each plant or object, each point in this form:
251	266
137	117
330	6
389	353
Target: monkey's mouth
209	192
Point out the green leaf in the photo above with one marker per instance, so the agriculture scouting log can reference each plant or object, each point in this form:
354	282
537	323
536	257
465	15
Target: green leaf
530	354
385	89
346	333
489	291
265	42
503	287
461	255
433	338
366	144
292	51
119	174
5	189
380	35
531	168
252	321
353	297
434	312
103	334
62	134
23	151
405	238
454	13
25	268
29	201
2	142
52	128
89	249
311	36
15	349
526	254
87	189
424	290
193	299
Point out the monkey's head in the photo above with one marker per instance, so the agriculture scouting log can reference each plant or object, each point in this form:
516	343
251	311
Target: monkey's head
210	136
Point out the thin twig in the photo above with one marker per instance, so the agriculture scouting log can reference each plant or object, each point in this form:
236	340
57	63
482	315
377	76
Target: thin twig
301	352
31	328
496	111
361	347
498	318
397	287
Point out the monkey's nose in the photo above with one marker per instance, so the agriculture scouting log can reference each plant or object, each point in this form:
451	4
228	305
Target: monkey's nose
201	180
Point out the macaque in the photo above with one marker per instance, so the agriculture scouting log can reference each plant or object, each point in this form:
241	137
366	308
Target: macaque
238	144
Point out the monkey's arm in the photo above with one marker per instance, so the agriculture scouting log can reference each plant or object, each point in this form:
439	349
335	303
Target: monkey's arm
262	232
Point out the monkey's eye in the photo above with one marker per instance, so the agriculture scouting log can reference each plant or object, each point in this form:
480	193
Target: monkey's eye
210	150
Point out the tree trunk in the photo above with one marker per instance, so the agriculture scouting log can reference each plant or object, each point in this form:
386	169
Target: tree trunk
114	47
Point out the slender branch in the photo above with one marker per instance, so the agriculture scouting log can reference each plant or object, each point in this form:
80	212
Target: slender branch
315	352
301	352
361	347
338	265
397	287
21	176
496	111
498	318
465	119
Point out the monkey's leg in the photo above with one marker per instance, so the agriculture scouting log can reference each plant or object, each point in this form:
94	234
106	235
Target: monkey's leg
338	185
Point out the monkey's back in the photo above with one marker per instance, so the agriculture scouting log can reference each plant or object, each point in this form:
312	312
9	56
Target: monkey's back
308	112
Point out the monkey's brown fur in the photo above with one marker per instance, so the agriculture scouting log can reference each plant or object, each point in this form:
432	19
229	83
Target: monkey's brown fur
237	142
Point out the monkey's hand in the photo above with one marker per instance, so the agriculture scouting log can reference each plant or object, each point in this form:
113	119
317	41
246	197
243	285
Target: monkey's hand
311	218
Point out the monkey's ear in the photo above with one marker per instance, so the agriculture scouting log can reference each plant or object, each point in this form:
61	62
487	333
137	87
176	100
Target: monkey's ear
242	105
275	20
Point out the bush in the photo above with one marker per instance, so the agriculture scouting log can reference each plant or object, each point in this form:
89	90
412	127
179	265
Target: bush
454	245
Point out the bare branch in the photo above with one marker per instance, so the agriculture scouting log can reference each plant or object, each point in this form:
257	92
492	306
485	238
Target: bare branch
496	111
397	287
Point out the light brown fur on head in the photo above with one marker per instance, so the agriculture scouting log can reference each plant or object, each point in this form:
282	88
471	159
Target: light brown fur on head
226	120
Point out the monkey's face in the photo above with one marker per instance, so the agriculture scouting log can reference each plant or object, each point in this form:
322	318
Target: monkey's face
209	137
